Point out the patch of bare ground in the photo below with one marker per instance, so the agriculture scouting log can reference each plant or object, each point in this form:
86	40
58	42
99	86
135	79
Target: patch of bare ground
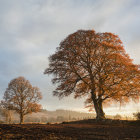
79	130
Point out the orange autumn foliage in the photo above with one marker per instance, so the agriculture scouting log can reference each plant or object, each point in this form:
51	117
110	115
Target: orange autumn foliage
94	65
22	97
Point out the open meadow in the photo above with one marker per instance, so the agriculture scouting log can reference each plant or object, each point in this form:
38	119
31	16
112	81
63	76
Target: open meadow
79	130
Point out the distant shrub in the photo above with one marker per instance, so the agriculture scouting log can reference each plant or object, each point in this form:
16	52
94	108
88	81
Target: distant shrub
64	122
1	122
117	117
48	123
137	115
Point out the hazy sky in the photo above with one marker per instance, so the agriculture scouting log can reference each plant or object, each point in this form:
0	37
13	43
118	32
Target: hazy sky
30	30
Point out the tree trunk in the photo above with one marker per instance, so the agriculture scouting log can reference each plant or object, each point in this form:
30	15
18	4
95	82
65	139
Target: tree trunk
21	118
100	115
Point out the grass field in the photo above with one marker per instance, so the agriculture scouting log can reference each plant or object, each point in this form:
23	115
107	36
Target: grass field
80	130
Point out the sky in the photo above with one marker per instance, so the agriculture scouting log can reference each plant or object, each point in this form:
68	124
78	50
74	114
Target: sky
30	31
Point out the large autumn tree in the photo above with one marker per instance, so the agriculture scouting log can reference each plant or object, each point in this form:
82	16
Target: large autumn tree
94	65
22	97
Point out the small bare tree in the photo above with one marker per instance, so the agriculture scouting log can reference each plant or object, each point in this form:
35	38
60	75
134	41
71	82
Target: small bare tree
8	116
22	97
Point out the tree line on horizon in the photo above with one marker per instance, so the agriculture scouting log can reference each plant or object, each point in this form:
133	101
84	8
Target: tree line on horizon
44	116
86	64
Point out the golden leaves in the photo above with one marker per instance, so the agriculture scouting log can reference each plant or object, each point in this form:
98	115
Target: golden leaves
99	62
21	96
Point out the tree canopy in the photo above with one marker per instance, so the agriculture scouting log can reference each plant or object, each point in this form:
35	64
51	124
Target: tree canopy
22	97
94	65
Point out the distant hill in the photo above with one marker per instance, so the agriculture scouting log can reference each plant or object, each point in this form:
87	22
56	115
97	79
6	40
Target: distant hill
67	113
45	116
59	115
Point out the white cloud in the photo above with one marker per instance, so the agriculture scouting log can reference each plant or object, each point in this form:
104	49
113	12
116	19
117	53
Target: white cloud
31	31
